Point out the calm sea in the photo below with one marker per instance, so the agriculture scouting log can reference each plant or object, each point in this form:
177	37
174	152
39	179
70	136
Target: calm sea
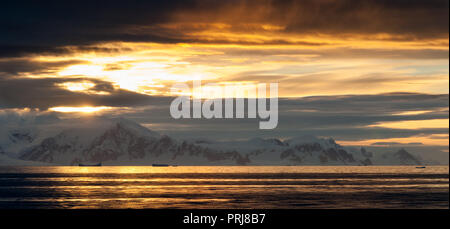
225	187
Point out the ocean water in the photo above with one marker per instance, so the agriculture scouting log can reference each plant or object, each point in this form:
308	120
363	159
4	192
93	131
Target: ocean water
236	187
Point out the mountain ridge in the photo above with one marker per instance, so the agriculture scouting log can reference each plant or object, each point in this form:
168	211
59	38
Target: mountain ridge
123	142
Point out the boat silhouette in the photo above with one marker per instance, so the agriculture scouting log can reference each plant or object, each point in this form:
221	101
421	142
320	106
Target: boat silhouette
98	164
160	165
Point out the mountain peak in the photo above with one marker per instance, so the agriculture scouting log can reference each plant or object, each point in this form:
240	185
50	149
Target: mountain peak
135	127
406	157
399	157
308	139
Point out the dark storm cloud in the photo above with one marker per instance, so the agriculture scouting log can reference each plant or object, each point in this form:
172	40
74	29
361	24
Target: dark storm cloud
343	53
26	50
44	93
11	50
408	17
342	117
44	26
13	67
372	104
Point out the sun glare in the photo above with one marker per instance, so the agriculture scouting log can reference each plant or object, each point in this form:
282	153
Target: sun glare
77	86
79	109
86	70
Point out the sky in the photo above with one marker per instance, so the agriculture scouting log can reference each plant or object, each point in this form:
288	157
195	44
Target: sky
373	73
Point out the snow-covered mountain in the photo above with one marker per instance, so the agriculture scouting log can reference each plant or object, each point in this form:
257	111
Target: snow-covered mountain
401	156
123	142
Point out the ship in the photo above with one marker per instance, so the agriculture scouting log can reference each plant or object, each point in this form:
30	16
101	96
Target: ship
98	164
160	165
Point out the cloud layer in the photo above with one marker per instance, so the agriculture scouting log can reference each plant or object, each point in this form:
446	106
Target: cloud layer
46	26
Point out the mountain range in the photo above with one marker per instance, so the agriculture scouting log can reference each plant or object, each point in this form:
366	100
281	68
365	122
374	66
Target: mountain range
120	141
